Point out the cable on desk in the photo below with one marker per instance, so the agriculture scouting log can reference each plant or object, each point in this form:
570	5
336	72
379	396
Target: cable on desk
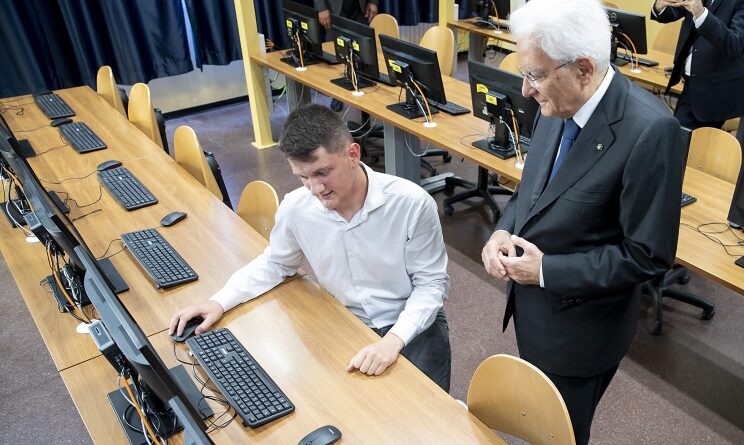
68	199
103	257
86	214
480	135
68	179
31	130
709	234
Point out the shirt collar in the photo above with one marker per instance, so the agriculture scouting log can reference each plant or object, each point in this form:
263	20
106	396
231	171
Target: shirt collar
374	199
585	112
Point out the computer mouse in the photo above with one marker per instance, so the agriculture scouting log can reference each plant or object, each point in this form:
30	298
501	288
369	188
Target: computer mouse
60	121
172	218
188	330
108	165
325	435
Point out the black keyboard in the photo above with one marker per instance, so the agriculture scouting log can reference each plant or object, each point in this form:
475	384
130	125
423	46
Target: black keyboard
127	189
329	58
449	107
81	137
524	141
687	199
240	379
164	265
53	106
641	61
384	78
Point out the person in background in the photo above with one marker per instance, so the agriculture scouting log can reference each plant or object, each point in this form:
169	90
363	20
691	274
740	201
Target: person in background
582	232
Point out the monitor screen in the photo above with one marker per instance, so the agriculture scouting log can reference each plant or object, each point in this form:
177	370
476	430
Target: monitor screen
146	368
310	29
629	26
363	41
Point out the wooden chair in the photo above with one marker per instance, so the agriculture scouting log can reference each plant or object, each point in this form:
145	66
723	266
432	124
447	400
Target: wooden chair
510	63
610	5
666	39
442	40
716	153
189	154
141	113
511	395
107	89
731	125
385	24
257	206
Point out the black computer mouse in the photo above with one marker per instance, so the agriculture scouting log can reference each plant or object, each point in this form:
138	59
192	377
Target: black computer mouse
325	435
60	121
108	165
172	218
188	330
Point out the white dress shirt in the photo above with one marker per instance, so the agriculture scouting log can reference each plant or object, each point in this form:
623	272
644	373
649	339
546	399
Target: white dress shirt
388	265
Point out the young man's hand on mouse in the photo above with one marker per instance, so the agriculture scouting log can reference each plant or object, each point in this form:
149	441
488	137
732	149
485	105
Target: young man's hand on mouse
210	311
374	359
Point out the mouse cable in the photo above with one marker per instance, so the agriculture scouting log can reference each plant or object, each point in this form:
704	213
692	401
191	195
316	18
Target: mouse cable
85	214
32	129
103	257
68	199
68	179
709	234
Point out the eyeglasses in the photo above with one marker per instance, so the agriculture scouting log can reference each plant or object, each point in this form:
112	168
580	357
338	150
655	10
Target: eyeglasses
534	80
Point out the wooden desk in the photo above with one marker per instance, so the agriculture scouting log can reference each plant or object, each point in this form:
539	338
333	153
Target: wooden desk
699	253
453	133
304	338
653	78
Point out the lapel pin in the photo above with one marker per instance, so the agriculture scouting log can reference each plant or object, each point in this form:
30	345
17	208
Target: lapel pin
600	146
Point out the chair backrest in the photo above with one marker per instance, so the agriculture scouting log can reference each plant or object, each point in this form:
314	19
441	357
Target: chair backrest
611	5
141	113
715	152
666	39
106	88
511	395
510	63
189	154
257	206
442	40
385	24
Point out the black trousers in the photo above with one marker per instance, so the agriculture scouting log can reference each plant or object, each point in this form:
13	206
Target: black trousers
430	351
581	395
684	114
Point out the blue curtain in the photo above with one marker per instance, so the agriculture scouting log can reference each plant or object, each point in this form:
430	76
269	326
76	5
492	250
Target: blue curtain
51	44
215	29
411	12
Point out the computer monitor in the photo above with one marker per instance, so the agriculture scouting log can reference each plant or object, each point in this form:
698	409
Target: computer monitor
413	68
51	225
10	164
628	31
302	23
484	9
23	147
497	96
355	42
166	395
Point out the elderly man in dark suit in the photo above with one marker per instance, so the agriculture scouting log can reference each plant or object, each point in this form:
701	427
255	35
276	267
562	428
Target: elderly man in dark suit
597	210
710	56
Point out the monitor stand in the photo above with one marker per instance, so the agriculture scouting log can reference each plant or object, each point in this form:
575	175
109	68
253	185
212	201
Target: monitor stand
25	149
307	60
15	218
410	108
124	410
501	151
345	83
108	269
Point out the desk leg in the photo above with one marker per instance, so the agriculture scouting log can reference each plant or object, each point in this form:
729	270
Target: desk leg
297	94
400	160
477	46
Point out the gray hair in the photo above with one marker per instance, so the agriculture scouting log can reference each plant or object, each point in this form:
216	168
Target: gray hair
564	29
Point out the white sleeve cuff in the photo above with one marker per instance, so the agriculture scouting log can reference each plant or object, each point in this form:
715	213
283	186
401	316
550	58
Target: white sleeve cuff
542	280
699	21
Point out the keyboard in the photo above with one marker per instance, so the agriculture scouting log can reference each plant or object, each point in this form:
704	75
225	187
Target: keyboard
164	265
329	58
641	61
449	107
127	189
384	78
687	199
53	106
242	381
524	141
81	137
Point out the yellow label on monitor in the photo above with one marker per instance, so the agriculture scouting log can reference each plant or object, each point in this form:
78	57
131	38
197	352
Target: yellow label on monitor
340	42
303	25
491	99
481	88
289	23
396	68
391	62
355	45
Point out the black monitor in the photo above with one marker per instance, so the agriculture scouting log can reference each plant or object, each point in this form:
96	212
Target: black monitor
165	395
13	208
497	96
54	229
484	9
355	42
628	31
302	23
413	67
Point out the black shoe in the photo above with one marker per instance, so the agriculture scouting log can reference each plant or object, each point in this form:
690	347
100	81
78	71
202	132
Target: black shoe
336	105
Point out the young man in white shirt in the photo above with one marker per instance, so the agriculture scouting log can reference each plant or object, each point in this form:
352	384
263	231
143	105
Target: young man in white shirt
373	240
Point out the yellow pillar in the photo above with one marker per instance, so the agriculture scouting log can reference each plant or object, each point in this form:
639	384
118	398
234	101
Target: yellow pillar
446	8
254	76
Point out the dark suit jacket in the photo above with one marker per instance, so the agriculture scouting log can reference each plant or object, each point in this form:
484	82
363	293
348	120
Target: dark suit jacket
607	221
335	5
717	71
